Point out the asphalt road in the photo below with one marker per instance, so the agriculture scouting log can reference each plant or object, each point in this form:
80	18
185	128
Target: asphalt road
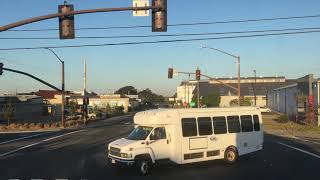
82	154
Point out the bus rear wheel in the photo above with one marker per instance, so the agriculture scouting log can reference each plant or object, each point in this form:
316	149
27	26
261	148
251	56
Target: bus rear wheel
230	155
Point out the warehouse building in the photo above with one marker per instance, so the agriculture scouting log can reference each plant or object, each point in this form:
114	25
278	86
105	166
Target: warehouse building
300	100
250	87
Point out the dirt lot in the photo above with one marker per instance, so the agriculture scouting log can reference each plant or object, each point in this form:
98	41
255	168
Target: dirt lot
272	126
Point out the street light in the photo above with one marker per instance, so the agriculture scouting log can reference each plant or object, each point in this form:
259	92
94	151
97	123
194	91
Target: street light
62	86
254	87
238	63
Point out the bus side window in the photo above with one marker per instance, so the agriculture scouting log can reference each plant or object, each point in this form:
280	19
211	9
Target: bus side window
219	125
233	124
256	123
189	127
205	126
246	123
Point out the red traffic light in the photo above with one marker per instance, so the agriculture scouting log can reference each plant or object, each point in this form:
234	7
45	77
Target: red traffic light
170	73
198	74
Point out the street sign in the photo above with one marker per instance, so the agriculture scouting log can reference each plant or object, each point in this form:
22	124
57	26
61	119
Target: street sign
192	104
141	3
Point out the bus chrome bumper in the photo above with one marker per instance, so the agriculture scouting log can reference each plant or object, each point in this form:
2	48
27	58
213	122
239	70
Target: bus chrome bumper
116	160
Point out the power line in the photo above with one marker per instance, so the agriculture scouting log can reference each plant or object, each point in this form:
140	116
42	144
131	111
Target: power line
161	41
179	24
164	35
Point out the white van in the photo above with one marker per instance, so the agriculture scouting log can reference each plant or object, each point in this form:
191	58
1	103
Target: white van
189	135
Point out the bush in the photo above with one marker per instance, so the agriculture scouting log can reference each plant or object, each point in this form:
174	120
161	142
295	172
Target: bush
71	123
46	126
13	126
39	125
32	125
3	127
282	119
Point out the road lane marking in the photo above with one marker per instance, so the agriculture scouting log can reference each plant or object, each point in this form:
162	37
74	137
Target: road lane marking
306	140
25	137
301	150
36	143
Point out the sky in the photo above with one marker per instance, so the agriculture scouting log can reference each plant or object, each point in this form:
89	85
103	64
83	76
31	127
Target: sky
145	66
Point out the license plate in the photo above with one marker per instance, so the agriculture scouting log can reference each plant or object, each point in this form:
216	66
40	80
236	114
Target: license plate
113	161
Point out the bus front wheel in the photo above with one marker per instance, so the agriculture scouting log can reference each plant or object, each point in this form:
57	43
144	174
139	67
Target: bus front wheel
230	155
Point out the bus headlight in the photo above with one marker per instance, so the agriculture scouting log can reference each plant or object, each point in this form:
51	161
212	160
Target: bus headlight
125	155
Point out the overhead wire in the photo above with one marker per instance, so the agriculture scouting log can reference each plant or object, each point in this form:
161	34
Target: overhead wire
164	35
161	41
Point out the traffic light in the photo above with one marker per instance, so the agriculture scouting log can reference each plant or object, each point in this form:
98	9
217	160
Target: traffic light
170	73
85	100
159	16
198	74
67	101
66	23
1	68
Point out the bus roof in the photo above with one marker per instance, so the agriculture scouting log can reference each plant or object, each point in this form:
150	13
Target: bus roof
172	115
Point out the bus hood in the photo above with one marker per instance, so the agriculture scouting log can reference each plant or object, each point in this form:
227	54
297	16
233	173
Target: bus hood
123	142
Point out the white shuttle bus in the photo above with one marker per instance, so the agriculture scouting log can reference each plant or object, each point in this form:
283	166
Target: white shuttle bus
189	135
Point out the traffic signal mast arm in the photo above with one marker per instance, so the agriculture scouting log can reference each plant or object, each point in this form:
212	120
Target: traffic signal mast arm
40	80
85	11
210	78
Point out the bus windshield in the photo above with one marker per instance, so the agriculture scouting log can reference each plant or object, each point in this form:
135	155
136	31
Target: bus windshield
140	133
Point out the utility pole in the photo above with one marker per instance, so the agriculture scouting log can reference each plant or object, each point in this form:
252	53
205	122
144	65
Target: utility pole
185	96
62	88
239	81
188	90
85	106
254	87
198	93
198	76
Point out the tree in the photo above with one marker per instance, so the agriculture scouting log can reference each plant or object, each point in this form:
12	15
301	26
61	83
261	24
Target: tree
148	97
245	102
211	100
127	90
72	108
108	109
234	102
8	110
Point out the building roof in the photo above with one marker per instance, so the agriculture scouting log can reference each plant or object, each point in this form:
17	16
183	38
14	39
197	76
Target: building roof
18	98
47	94
247	89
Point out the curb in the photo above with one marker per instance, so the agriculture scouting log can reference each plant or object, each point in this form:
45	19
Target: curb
92	124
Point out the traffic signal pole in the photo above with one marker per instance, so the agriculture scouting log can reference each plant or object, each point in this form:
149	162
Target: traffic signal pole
198	74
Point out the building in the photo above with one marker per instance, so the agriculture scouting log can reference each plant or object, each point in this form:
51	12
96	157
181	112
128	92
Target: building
250	87
102	101
299	100
25	106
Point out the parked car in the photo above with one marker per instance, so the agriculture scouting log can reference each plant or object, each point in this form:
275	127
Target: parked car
265	110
